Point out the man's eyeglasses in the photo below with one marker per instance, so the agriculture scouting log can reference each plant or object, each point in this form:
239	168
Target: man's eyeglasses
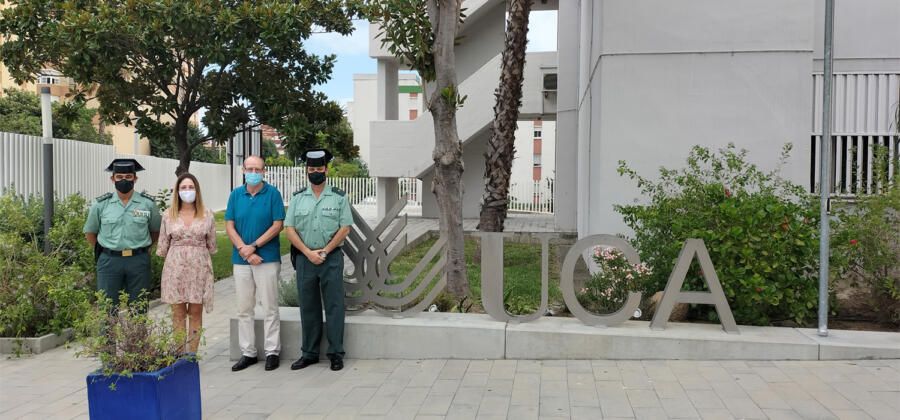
254	170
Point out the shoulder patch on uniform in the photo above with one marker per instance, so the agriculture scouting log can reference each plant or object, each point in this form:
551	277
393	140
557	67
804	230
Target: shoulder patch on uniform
103	197
338	191
299	191
147	195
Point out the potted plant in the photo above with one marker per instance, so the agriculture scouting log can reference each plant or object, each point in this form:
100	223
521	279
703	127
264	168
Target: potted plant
144	373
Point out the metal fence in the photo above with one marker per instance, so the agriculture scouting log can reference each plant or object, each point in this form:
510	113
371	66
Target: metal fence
79	168
361	191
865	106
532	197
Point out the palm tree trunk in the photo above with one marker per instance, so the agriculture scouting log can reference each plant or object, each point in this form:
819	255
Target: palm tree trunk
501	146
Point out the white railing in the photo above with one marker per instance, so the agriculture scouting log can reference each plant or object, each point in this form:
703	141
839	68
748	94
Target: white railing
536	197
361	191
865	108
854	163
79	168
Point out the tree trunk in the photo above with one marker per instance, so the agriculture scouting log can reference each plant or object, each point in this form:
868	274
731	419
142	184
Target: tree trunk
447	154
180	132
501	150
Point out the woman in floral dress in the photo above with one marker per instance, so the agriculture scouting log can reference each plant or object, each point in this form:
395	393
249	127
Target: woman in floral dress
186	240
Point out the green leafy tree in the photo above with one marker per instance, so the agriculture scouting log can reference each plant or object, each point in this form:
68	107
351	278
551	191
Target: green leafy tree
164	147
348	169
157	63
20	112
423	34
325	127
279	160
269	149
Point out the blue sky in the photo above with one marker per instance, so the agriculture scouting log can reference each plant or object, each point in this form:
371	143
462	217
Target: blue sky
353	51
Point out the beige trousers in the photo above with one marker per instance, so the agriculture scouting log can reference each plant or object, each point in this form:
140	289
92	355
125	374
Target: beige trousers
252	284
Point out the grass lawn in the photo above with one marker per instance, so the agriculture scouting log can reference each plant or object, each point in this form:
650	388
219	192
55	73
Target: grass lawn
221	260
521	267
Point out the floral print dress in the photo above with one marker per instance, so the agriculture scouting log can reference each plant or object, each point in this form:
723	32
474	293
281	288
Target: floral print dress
187	275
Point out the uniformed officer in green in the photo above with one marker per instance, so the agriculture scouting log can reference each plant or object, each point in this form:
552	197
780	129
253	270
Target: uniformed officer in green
317	221
121	226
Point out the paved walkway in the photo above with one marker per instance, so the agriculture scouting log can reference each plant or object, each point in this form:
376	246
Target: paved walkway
52	386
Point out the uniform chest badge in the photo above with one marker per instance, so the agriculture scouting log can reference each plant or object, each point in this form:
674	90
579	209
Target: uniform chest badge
140	213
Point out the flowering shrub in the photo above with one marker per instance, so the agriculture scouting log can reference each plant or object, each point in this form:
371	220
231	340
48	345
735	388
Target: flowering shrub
608	288
868	240
761	232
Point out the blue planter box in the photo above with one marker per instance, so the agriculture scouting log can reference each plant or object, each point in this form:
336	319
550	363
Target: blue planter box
169	393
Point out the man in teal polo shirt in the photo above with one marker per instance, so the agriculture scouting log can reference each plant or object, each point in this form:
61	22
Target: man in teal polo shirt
121	227
253	220
317	222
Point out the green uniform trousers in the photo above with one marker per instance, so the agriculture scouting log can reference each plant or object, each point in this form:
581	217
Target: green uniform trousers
317	283
116	273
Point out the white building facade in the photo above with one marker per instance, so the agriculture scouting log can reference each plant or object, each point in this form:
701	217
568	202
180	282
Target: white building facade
364	107
645	80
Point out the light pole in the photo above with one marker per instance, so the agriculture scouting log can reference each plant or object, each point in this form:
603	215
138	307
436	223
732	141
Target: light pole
825	174
47	128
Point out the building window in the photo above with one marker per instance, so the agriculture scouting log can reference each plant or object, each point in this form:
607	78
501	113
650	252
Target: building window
537	134
537	160
413	95
48	80
413	114
536	173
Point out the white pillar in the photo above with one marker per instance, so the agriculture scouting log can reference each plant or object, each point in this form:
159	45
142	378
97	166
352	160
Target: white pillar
388	194
388	109
388	189
565	187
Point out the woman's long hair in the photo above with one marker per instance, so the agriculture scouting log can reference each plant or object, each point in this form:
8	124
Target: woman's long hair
200	210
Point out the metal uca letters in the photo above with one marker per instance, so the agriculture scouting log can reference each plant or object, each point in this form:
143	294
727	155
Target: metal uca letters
372	250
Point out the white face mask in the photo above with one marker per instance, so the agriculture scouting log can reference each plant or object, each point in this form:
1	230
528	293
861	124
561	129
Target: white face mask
188	196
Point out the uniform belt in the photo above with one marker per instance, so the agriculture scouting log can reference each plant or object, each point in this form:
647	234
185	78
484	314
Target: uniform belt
126	252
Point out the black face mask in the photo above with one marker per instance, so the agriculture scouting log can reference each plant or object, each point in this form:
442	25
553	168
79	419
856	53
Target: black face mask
124	186
316	178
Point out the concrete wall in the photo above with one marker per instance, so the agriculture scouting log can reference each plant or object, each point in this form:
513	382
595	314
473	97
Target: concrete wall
866	35
364	109
656	78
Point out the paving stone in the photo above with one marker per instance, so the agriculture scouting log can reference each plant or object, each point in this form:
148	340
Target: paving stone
493	406
582	412
524	412
705	399
650	413
679	408
436	404
744	408
715	414
782	414
642	398
554	406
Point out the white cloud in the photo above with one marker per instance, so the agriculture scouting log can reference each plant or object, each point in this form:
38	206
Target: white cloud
356	43
542	31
